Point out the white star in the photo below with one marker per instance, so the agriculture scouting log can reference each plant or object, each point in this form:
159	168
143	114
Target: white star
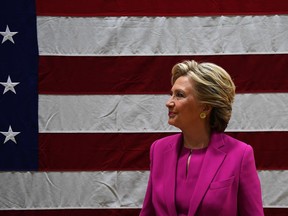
8	35
9	85
10	135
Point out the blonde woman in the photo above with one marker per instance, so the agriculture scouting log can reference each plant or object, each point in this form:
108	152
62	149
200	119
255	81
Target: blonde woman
201	171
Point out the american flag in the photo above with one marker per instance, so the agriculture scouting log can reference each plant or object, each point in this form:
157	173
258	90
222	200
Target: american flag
83	86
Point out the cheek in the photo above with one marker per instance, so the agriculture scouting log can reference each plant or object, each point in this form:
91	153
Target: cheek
191	112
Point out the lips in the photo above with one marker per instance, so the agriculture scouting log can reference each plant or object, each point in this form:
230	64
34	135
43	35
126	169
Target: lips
171	114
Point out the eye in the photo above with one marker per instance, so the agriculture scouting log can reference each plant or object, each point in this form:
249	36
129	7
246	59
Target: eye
180	95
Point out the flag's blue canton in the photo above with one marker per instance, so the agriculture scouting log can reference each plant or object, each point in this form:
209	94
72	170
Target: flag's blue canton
18	86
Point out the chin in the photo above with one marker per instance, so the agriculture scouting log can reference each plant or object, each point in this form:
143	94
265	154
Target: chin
172	122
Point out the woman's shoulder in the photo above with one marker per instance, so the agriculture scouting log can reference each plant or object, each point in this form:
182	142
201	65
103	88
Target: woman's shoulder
173	137
168	141
235	143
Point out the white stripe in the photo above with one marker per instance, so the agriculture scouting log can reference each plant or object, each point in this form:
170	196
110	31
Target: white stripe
274	188
114	36
41	190
147	113
114	189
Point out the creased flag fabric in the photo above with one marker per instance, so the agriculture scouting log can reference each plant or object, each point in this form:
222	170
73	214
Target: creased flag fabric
83	86
18	86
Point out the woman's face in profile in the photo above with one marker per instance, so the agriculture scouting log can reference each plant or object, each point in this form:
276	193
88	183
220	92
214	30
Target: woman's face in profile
183	105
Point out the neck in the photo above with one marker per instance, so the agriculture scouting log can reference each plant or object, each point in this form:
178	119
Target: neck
196	139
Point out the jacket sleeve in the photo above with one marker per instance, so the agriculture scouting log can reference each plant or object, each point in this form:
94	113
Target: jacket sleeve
148	208
249	196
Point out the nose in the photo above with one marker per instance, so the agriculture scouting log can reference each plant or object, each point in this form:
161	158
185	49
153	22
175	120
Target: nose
170	102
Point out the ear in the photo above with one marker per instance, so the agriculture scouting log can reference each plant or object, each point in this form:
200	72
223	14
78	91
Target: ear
207	109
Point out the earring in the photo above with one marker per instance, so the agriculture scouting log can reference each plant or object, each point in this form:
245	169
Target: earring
202	115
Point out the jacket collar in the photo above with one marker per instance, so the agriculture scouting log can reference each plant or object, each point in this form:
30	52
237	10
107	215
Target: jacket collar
212	161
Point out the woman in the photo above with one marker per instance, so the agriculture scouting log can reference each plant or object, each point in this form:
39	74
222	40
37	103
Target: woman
201	171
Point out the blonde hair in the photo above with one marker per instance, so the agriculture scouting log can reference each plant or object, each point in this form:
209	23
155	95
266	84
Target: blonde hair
213	86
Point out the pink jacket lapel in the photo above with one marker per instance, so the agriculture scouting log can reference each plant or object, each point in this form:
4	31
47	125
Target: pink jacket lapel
213	159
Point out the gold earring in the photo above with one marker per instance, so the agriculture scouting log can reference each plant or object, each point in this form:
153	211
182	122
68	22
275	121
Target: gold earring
202	115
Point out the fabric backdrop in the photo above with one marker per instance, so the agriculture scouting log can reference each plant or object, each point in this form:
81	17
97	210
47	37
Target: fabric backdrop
83	86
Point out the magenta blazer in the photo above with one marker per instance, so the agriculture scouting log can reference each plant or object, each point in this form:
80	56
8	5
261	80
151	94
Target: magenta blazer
228	183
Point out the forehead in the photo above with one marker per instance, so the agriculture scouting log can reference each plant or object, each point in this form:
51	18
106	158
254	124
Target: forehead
183	83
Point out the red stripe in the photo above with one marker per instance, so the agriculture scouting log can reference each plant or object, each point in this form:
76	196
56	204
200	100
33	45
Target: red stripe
276	211
141	74
107	151
159	7
130	151
110	212
270	149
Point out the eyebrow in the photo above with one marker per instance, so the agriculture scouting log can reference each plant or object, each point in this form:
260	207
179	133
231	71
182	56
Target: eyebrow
177	90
